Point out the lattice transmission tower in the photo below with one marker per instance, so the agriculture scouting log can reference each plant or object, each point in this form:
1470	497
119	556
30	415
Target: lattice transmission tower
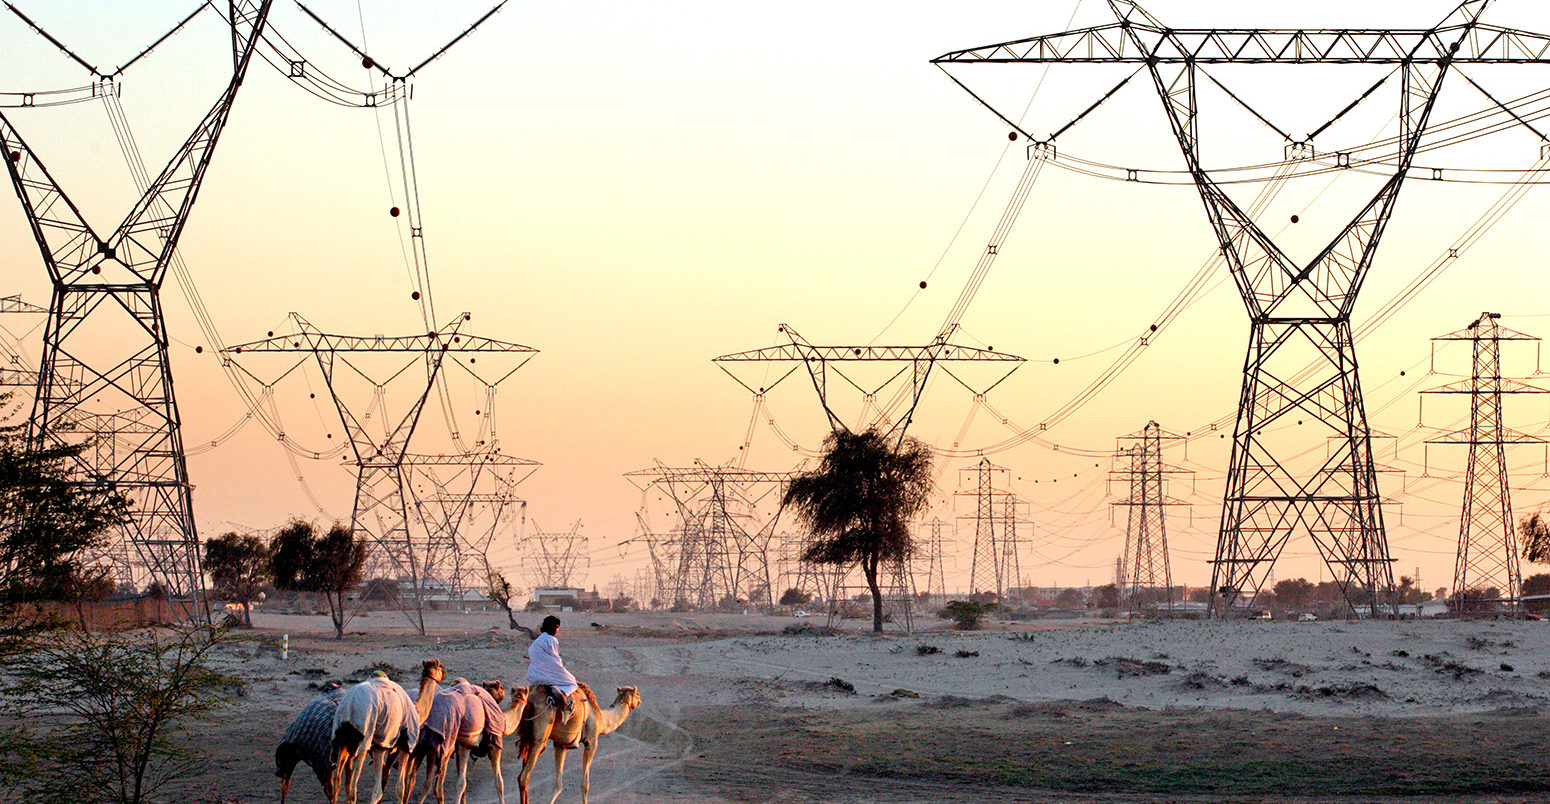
1301	361
1145	575
1487	548
995	566
719	548
413	537
18	375
105	344
935	535
556	559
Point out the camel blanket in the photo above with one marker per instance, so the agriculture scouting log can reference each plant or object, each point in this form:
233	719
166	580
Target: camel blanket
312	732
380	709
545	667
462	713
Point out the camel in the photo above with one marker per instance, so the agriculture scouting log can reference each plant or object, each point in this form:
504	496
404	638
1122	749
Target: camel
466	722
308	740
376	718
585	724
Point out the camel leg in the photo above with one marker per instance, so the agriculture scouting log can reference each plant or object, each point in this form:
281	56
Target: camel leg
529	761
462	775
438	783
338	775
326	778
357	765
500	782
378	757
588	750
405	774
559	773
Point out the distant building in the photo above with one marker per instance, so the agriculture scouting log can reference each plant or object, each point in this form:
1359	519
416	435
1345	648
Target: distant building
559	597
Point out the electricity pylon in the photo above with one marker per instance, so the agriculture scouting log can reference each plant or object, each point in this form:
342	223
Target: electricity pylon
913	365
405	547
1487	549
1301	360
994	566
1145	576
932	546
724	526
555	559
105	343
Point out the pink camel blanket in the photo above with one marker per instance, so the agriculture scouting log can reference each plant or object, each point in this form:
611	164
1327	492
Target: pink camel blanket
463	713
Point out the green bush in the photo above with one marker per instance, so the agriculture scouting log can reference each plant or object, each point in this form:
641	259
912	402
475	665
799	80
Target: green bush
965	614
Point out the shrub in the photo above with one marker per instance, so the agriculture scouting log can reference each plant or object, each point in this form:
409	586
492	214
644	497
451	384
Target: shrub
965	614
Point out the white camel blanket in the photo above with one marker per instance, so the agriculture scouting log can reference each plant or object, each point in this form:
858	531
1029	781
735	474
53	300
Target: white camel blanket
382	711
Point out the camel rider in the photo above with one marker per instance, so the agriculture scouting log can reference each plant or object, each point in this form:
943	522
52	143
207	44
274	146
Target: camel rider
545	668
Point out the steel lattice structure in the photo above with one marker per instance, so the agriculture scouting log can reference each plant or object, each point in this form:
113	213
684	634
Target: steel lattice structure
1487	548
419	548
464	502
932	546
995	566
1146	574
555	559
105	343
1301	360
718	550
16	376
916	363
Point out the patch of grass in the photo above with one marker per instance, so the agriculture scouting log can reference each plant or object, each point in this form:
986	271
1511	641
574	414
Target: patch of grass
1102	747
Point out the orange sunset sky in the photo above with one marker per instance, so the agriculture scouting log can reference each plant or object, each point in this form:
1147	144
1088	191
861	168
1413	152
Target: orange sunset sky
636	188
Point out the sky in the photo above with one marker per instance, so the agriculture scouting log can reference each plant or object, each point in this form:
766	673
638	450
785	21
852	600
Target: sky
634	189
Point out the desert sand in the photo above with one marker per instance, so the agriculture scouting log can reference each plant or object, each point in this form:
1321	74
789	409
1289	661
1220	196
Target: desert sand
689	665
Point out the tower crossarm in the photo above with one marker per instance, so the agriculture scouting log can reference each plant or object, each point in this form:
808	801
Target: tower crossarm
144	242
1131	42
802	352
447	339
15	304
704	474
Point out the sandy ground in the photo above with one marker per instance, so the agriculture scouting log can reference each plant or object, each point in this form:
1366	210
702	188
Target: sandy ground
689	668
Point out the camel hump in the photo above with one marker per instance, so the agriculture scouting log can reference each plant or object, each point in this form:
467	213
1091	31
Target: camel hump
591	697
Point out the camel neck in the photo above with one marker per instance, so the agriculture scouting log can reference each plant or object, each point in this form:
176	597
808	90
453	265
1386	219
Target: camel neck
422	703
610	719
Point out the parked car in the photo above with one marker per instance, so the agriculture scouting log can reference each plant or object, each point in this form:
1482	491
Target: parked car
1307	617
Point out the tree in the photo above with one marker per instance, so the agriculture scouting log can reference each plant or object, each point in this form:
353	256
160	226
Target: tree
1294	593
795	597
1070	598
1536	584
1535	531
49	524
1106	596
859	503
239	570
331	564
103	717
501	591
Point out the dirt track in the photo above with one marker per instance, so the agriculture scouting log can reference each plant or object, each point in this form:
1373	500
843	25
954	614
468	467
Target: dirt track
735	712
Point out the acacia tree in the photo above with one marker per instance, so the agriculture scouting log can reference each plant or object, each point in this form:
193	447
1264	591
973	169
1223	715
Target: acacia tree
49	524
501	591
239	570
859	503
107	717
332	564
